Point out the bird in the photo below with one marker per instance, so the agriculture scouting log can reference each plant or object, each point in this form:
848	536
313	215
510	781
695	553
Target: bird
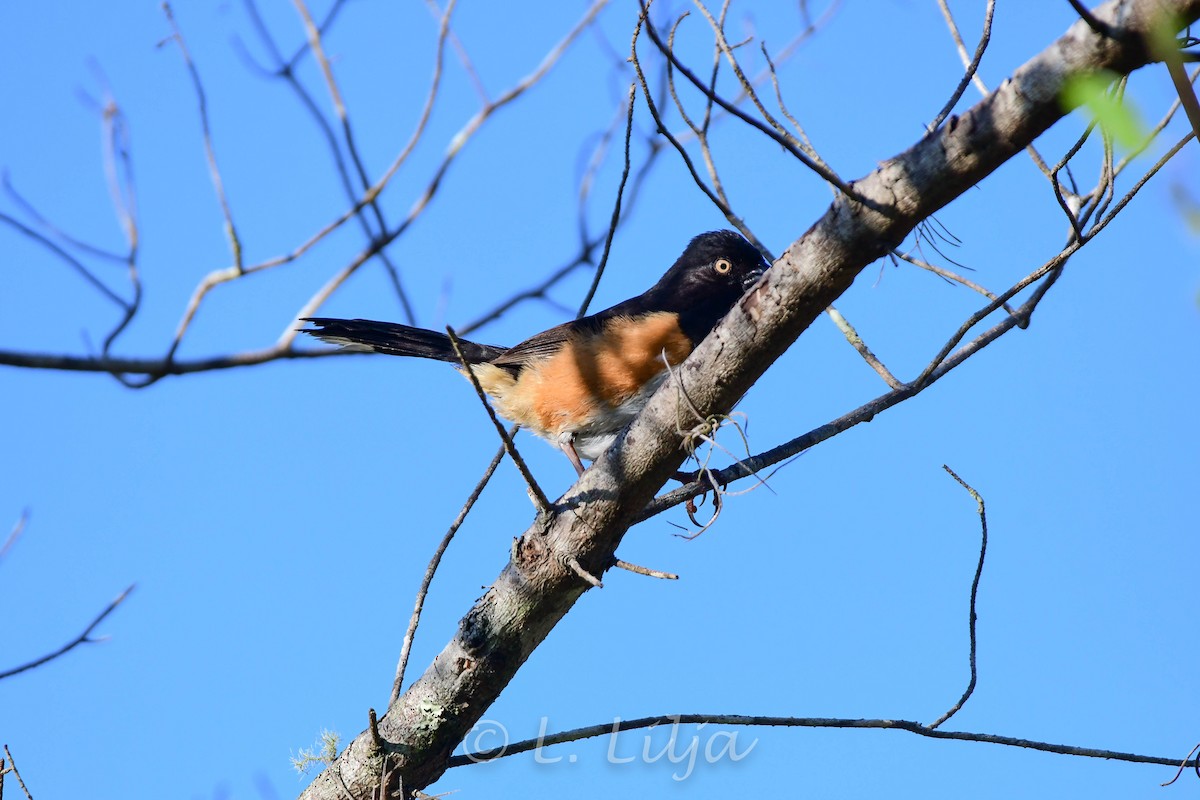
579	384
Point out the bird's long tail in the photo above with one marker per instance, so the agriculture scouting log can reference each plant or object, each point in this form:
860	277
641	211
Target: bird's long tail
397	340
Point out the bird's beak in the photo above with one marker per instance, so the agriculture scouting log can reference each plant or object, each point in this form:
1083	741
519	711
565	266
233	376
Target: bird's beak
752	277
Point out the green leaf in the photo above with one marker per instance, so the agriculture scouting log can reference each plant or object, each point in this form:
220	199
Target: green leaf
1118	119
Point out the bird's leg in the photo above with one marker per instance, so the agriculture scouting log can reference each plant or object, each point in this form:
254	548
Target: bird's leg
566	443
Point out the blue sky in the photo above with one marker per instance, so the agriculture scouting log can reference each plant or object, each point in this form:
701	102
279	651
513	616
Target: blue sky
277	519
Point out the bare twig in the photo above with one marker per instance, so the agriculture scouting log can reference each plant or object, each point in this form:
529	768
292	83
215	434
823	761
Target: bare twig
12	767
619	726
811	27
57	232
431	569
652	106
83	638
587	179
649	573
716	64
942	272
235	244
379	241
747	87
1183	766
210	155
285	70
802	136
978	82
699	130
14	534
1099	26
318	49
118	170
616	213
68	259
457	142
153	370
539	497
588	243
157	367
538	292
326	24
541	290
784	139
573	563
1142	181
971	615
972	67
1153	133
461	51
1070	206
1055	264
858	344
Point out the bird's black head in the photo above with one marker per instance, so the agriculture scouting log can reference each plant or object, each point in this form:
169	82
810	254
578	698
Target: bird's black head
715	269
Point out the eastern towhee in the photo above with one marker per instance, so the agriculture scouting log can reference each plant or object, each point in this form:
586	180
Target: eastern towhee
579	384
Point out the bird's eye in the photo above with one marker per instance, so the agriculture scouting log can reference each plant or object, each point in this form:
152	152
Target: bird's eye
722	266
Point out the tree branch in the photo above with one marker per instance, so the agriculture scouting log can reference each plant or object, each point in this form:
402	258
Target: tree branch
972	617
618	726
83	638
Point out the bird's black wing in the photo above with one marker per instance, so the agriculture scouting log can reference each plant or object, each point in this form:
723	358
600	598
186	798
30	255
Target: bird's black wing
542	345
547	343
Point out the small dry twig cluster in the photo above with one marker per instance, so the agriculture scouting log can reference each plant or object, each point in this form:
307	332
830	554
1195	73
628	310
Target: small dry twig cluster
362	193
